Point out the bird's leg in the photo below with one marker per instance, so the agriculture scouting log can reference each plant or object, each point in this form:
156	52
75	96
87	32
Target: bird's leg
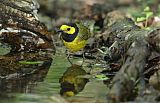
83	57
68	57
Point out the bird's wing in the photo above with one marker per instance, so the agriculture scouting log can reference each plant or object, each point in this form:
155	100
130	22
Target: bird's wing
84	34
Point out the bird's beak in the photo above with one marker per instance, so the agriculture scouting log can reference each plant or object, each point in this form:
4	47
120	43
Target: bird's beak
58	30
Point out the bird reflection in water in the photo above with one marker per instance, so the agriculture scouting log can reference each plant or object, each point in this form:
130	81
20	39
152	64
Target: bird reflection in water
72	81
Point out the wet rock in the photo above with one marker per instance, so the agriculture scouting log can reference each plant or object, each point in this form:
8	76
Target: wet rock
20	72
21	28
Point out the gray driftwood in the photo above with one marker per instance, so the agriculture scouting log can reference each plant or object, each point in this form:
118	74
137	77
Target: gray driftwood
135	46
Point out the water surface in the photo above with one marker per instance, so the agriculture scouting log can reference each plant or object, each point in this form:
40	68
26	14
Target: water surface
38	82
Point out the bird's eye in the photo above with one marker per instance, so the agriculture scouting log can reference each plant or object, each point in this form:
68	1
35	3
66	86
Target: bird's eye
68	29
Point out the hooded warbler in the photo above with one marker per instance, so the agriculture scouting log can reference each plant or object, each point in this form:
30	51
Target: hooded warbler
74	35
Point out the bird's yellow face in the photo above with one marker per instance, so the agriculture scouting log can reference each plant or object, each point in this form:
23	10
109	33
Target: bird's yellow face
68	29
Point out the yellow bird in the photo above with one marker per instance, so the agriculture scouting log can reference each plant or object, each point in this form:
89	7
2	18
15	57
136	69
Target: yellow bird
74	35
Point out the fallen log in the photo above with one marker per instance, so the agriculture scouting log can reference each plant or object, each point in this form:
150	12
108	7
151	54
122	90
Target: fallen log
124	81
133	46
